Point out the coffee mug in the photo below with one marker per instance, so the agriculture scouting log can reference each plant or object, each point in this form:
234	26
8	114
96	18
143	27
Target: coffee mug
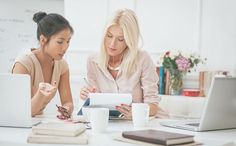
140	114
99	119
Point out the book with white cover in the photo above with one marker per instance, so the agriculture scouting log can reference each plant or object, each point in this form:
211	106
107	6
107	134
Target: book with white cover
58	129
80	139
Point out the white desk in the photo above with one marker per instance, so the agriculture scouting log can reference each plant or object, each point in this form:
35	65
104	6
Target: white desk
18	136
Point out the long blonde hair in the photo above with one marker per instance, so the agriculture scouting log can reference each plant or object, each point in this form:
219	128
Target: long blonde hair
127	20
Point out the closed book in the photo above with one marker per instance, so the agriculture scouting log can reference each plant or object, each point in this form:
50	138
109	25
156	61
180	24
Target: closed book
161	80
58	129
158	137
191	92
80	139
167	82
201	83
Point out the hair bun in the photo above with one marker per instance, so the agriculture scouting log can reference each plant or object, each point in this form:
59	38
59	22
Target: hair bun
38	16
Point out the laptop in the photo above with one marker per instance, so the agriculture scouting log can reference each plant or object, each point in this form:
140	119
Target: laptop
219	110
15	101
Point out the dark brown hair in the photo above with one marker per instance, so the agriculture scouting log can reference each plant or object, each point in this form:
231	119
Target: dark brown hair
50	24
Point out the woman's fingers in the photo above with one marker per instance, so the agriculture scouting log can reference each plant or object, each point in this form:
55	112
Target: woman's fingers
62	117
65	115
84	94
122	110
85	91
126	110
64	112
126	106
48	92
93	89
47	89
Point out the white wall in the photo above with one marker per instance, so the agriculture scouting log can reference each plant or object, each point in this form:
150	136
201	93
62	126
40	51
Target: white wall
168	24
218	33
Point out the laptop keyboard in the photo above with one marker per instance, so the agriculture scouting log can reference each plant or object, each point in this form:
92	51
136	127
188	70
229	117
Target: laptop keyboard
193	124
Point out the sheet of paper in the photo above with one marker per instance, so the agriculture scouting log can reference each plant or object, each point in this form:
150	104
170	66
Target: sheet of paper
109	100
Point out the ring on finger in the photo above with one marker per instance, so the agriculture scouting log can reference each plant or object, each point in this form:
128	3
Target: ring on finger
128	109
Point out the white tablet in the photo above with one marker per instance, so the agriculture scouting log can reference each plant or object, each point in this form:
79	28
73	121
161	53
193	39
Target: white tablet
109	100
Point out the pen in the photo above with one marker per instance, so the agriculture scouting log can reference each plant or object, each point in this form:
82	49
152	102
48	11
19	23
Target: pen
86	81
89	85
63	110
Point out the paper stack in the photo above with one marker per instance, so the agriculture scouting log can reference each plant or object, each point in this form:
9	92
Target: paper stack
58	133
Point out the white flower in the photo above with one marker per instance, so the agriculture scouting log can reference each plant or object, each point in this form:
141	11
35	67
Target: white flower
160	59
186	55
174	53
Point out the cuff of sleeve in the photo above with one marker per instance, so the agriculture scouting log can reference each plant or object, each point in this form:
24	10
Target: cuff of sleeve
153	100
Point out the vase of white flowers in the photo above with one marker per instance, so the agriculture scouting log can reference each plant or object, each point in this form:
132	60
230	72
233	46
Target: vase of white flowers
176	83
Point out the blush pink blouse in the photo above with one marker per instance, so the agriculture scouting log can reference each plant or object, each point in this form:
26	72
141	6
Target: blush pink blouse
142	84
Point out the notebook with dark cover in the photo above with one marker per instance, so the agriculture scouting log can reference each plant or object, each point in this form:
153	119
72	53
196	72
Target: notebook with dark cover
158	137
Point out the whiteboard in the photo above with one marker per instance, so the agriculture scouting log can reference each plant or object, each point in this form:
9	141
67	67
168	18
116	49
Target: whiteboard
18	30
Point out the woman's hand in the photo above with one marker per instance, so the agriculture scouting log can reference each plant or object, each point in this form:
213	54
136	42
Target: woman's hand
125	110
85	91
64	112
47	91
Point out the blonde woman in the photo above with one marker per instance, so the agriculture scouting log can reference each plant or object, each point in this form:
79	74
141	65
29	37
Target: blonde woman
121	66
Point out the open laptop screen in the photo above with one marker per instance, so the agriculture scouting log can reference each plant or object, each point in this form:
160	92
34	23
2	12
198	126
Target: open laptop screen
219	111
15	100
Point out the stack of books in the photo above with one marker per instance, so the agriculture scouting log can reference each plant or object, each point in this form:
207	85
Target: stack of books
164	80
157	137
58	133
